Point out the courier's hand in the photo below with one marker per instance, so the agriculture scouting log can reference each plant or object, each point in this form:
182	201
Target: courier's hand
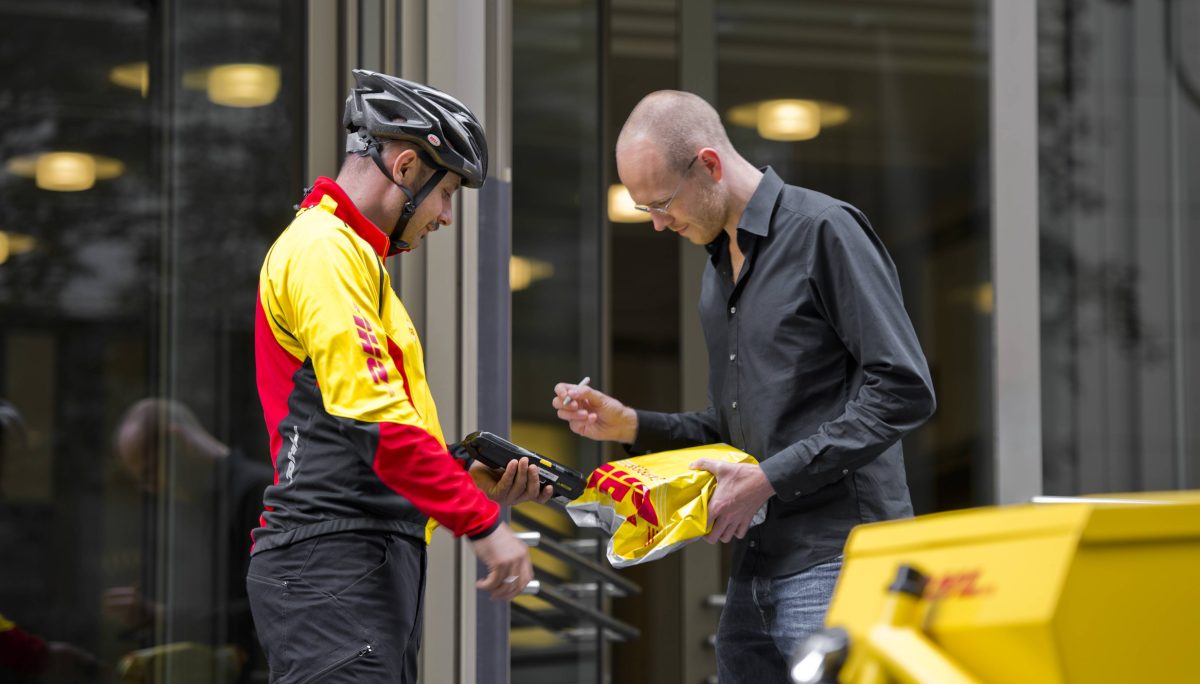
742	489
594	414
518	483
507	561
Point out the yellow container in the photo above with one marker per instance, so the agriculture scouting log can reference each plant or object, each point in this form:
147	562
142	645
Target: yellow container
1053	592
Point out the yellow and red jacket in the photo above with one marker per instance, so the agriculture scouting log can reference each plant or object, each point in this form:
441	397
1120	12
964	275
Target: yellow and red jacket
353	429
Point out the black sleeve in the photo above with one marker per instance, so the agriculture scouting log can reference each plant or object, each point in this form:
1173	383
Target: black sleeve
860	293
665	431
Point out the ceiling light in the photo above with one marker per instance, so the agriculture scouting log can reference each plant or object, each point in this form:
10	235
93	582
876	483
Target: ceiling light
980	297
788	119
65	171
237	85
620	206
135	76
14	243
523	272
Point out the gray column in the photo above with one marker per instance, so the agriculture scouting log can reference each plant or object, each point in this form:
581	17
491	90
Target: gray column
457	37
701	565
1017	452
324	100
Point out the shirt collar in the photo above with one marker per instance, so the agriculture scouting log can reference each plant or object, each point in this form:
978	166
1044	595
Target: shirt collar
756	217
330	196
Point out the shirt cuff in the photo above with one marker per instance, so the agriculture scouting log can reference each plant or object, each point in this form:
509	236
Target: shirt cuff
792	474
483	533
780	471
653	434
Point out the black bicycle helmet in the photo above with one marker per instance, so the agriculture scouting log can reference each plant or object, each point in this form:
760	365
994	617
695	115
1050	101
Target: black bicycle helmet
447	135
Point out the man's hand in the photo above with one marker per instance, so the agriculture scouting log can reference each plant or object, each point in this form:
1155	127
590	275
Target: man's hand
595	415
507	561
518	483
742	489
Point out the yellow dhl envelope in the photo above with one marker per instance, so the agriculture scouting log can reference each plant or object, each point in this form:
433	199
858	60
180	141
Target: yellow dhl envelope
652	505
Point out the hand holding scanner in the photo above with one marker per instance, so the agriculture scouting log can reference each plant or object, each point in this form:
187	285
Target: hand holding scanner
495	452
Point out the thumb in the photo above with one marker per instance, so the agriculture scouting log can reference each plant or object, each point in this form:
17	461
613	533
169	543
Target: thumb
714	467
585	393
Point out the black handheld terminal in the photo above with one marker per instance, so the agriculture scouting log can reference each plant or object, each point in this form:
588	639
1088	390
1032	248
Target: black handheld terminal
495	452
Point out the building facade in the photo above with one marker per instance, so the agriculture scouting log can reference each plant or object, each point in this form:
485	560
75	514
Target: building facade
1026	163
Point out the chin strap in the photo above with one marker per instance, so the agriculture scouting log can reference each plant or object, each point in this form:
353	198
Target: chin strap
363	143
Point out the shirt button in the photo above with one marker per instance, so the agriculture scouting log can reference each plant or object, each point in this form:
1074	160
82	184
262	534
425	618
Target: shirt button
733	309
845	472
732	357
733	406
753	544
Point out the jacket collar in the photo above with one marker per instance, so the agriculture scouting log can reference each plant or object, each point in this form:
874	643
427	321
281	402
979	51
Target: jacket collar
328	195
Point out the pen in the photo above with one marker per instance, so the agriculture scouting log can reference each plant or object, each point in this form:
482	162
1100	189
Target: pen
582	383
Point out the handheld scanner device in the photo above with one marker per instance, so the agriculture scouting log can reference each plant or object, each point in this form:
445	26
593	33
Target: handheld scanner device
496	452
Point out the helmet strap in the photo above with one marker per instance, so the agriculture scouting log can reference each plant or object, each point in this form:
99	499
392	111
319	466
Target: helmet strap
410	208
395	244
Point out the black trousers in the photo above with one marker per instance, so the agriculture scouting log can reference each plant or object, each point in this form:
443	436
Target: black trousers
344	607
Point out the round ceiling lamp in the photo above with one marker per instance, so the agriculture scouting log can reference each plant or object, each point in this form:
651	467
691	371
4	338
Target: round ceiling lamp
524	271
620	206
63	171
135	76
788	119
14	243
237	85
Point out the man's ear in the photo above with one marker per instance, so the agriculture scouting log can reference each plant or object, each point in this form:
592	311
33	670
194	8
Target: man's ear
710	159
404	163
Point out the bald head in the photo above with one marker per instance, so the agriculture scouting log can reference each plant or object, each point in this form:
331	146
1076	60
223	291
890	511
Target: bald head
674	124
148	424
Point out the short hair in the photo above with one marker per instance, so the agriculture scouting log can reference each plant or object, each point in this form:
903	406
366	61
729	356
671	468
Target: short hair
678	123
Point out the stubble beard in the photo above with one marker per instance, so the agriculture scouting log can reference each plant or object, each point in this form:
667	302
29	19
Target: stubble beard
710	215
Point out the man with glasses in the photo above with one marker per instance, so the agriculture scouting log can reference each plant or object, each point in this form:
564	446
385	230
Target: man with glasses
814	369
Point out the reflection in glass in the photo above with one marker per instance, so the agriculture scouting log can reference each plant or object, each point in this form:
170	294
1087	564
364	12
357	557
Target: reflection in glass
1119	110
557	210
886	107
134	452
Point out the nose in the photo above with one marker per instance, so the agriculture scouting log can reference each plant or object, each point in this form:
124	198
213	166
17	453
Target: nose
446	217
661	222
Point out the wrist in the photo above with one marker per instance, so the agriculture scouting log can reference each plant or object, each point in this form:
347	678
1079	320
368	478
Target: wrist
487	531
764	487
629	425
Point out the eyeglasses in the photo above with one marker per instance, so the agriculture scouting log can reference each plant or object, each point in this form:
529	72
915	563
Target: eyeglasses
665	208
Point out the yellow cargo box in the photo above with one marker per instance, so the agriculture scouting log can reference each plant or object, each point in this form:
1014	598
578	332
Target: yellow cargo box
1098	590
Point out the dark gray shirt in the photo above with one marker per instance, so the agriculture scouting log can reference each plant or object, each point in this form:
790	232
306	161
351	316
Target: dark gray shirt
814	369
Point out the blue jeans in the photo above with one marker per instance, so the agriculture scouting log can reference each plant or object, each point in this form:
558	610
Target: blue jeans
765	620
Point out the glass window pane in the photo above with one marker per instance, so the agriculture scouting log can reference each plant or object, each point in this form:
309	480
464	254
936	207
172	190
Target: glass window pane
1119	108
885	106
556	300
134	452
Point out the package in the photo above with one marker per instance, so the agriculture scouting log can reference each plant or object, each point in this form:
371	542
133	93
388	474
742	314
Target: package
653	504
